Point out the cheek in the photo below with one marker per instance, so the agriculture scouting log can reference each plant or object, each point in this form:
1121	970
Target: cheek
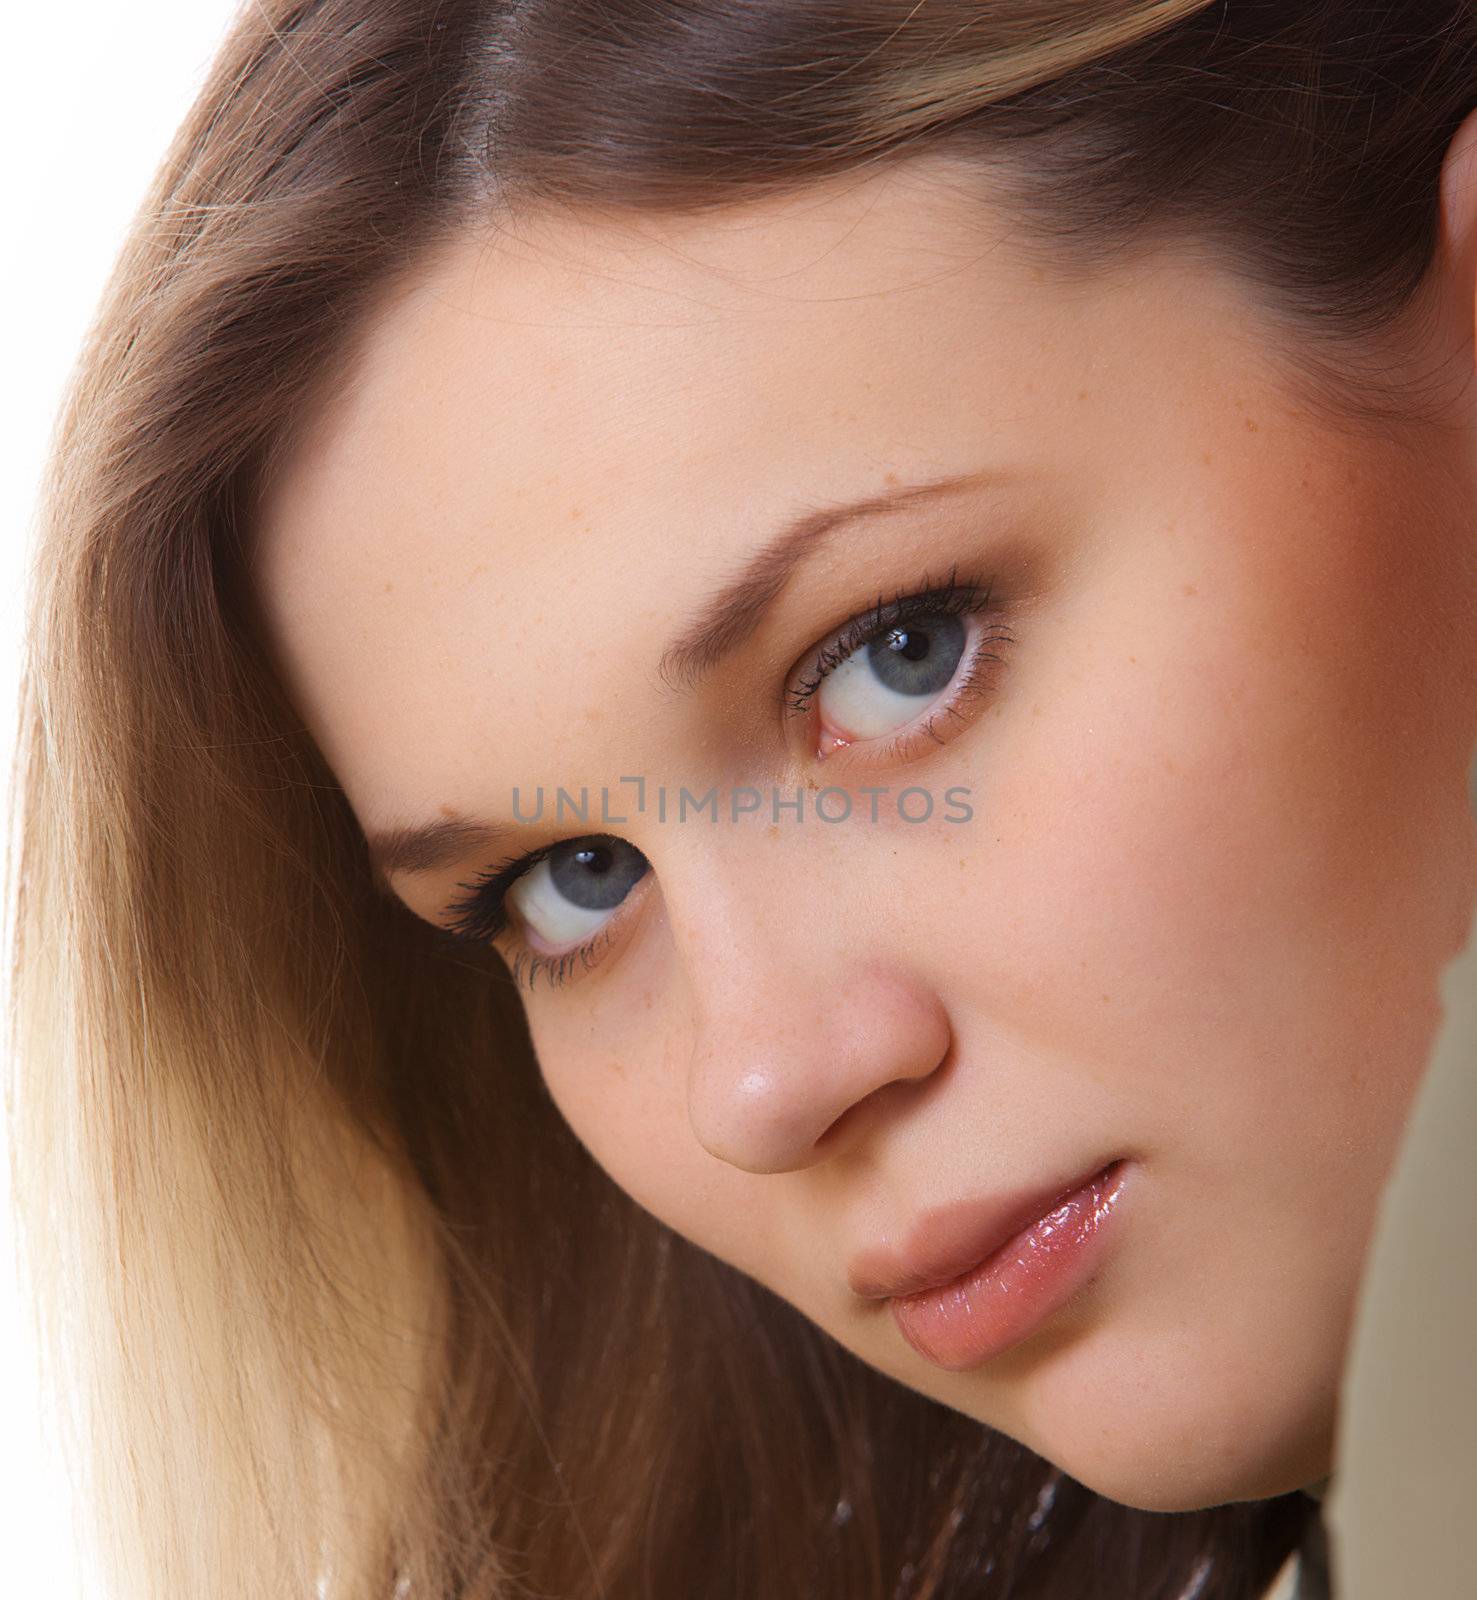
1230	843
613	1060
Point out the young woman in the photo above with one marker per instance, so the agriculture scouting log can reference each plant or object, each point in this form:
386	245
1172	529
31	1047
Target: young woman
745	772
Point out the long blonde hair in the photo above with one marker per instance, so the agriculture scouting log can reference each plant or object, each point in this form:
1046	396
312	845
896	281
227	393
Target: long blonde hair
334	1302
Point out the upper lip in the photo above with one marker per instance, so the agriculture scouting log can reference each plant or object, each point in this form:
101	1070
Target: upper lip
946	1242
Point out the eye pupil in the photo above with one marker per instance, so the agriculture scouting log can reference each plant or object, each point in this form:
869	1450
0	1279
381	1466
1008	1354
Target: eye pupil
595	874
917	661
912	643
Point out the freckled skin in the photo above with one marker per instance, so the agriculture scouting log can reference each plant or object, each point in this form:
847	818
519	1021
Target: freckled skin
1220	846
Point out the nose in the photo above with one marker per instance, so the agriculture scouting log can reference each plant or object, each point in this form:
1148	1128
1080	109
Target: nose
787	1044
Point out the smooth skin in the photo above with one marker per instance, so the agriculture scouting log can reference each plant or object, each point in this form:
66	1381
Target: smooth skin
1219	847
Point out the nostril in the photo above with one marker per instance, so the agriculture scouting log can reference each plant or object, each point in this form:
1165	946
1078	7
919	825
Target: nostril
868	1105
832	1135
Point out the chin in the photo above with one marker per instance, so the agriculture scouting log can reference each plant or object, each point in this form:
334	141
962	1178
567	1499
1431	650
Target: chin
1154	1461
1169	1424
1171	1490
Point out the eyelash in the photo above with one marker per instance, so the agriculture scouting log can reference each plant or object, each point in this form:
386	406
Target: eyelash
481	916
949	597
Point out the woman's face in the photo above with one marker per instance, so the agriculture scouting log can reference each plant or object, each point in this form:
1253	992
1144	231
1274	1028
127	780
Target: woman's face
1188	735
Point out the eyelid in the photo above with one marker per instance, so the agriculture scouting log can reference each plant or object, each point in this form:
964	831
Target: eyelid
481	915
950	594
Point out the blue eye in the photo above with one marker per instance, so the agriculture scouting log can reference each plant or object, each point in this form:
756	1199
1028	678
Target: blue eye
571	891
890	679
563	892
909	662
903	667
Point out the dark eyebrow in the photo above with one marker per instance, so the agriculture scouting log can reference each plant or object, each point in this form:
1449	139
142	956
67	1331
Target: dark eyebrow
730	616
725	620
427	846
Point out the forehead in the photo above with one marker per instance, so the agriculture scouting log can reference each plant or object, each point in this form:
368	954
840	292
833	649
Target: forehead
556	436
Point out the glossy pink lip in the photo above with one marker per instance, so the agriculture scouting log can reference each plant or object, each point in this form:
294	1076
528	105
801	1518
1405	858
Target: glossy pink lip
1019	1287
950	1240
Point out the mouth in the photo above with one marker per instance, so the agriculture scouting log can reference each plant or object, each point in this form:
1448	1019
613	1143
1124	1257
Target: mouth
1018	1284
948	1240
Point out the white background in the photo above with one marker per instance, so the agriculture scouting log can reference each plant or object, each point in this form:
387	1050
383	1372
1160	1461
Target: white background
92	97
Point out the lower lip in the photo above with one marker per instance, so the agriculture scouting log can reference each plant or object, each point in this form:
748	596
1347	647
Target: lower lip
1011	1293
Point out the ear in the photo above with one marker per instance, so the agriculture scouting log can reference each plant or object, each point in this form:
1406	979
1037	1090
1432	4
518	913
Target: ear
1458	214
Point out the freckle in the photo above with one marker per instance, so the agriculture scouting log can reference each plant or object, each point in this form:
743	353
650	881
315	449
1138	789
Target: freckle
773	830
575	514
1134	659
388	587
1206	457
1105	999
447	811
1036	711
593	714
1083	394
648	1002
1252	427
1169	765
1191	589
890	477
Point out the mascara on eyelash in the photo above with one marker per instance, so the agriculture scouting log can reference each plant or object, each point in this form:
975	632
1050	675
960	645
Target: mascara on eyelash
951	597
527	964
481	916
